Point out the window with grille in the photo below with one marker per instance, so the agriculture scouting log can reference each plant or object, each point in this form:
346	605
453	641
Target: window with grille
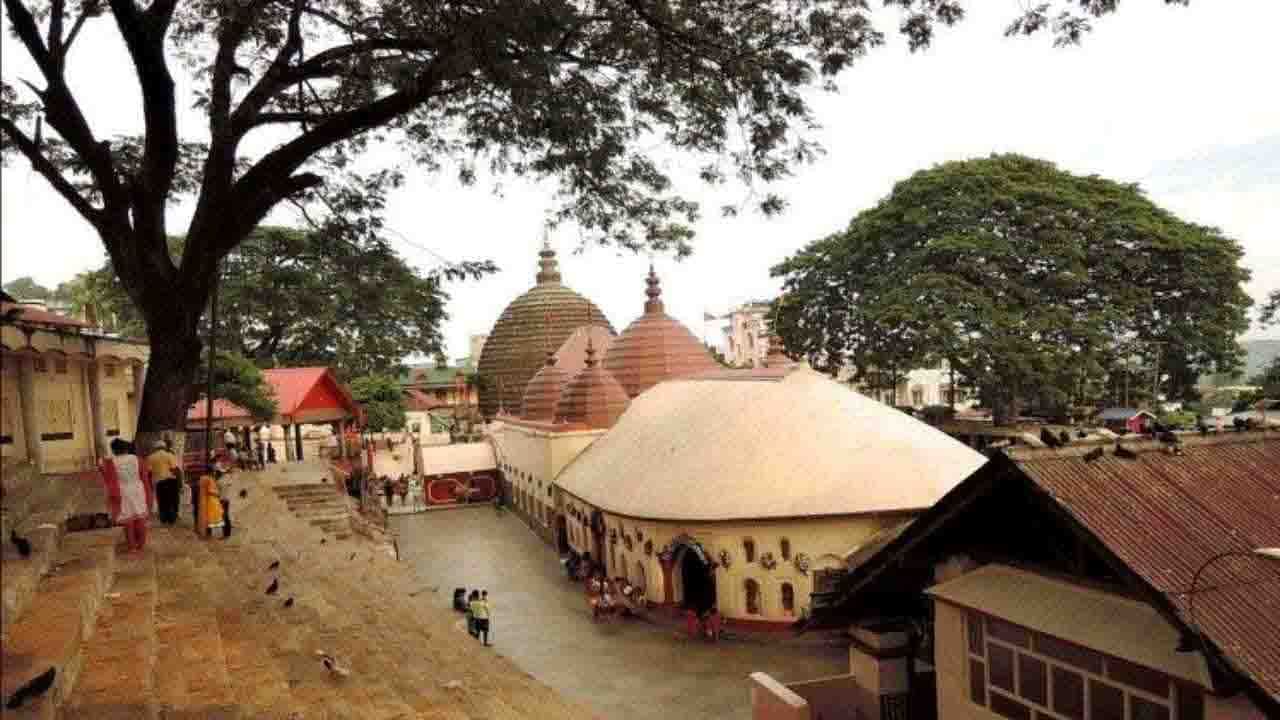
749	550
1020	674
788	599
752	590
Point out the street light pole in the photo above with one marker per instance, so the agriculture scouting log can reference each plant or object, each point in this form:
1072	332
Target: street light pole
208	391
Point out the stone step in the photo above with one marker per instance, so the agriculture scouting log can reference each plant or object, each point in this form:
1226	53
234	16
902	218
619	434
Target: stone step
302	488
322	511
303	494
116	681
54	630
191	679
308	504
19	576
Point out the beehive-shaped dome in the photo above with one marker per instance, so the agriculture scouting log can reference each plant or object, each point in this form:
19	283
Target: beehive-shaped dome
593	397
534	323
655	347
543	391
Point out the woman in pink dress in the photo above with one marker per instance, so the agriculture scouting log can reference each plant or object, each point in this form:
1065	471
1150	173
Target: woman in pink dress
129	493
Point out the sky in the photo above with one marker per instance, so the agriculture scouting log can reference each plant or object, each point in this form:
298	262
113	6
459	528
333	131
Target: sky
1177	99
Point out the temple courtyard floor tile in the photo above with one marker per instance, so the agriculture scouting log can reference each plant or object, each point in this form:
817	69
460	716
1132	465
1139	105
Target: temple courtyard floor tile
627	669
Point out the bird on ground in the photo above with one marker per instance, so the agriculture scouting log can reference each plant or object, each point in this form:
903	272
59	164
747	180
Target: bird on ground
1064	437
244	494
1082	434
1094	454
353	557
273	566
322	541
288	603
1049	438
1168	438
23	544
38	686
1125	453
331	664
1240	424
274	587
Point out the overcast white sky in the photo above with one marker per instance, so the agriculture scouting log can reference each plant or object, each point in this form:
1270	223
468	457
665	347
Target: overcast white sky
1181	100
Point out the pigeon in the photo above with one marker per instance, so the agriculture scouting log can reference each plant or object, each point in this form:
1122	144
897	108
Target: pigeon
274	587
322	541
332	665
244	494
1082	434
34	689
1094	454
1240	424
23	544
1049	438
353	557
1125	453
273	566
1168	438
288	603
1064	438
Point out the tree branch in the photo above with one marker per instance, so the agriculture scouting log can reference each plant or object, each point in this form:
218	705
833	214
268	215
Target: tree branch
50	172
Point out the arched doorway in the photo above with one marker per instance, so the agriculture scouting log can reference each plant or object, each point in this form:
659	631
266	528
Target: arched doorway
562	534
697	582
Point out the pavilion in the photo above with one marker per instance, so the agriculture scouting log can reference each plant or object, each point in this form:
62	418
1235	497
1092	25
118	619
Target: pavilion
304	396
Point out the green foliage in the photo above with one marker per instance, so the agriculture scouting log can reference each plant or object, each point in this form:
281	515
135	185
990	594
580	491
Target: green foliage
1185	419
1270	314
1268	383
383	402
237	379
1032	282
26	288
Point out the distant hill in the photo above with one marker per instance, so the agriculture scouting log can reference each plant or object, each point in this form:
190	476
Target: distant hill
1258	354
1261	353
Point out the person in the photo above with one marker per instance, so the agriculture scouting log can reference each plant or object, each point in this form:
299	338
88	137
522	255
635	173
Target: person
387	490
130	494
233	458
210	514
224	497
229	439
264	440
166	473
712	624
480	611
271	454
472	599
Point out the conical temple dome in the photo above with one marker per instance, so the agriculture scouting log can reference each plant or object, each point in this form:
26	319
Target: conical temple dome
655	347
536	322
593	397
543	391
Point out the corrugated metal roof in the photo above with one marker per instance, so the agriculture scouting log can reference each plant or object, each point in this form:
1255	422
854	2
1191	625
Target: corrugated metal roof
29	314
1115	625
1166	515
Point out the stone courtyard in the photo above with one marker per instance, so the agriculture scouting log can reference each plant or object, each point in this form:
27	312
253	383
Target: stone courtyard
626	669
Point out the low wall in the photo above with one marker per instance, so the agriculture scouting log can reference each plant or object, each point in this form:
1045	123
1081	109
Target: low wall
771	700
833	698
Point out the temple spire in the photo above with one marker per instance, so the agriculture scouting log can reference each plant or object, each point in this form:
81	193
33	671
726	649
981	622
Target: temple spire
654	304
548	267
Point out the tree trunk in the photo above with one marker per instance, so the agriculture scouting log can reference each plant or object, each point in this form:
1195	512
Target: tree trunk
172	371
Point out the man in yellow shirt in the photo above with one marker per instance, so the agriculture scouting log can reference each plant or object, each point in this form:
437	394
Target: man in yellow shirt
480	611
165	472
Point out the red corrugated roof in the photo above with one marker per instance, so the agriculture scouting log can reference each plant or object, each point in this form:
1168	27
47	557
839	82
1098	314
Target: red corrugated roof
296	389
1165	515
37	316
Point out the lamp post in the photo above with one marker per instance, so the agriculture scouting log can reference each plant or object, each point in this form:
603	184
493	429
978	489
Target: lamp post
1269	553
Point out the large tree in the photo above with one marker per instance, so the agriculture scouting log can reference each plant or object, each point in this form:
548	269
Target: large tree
1036	285
295	297
577	90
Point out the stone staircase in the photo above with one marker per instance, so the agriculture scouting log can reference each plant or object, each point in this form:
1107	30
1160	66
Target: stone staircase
185	631
320	504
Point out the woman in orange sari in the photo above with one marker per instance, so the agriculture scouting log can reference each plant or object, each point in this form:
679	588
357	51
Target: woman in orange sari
210	515
130	494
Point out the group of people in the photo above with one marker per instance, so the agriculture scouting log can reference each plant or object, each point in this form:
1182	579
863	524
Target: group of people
247	457
478	615
613	596
137	488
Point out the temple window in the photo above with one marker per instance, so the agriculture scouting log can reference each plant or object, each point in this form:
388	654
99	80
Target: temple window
788	599
749	549
784	548
752	589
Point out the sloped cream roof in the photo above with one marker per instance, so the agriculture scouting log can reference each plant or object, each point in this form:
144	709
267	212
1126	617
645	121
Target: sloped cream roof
728	449
1109	623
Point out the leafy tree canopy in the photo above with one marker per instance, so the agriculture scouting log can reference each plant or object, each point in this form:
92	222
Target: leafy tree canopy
26	288
292	297
238	380
582	92
1031	282
383	401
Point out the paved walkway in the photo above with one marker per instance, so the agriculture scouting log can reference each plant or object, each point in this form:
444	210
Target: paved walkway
627	669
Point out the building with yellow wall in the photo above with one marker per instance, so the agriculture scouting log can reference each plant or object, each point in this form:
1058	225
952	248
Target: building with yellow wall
65	389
